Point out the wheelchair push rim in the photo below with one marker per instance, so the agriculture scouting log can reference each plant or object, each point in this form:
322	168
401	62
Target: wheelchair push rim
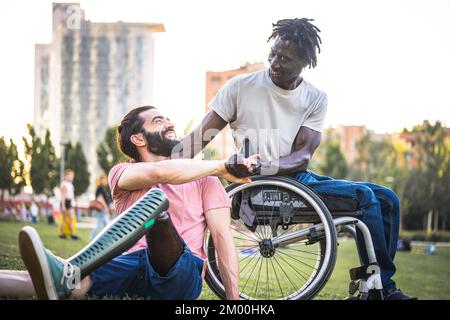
295	270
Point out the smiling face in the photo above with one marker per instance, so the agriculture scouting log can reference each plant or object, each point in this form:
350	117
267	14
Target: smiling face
285	64
159	133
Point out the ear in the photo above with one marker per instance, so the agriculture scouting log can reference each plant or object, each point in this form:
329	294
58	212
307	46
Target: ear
138	140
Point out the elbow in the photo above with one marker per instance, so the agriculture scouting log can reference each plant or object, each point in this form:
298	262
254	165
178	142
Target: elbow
300	164
305	162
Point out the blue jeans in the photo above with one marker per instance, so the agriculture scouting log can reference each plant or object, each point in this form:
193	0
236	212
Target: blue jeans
380	208
133	275
102	219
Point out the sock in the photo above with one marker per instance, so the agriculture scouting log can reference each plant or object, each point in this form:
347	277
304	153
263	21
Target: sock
164	244
121	233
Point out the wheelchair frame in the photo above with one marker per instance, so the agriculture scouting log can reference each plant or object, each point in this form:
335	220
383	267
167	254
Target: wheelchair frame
363	279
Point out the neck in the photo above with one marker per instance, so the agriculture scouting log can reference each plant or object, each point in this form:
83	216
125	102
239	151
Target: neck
290	85
150	157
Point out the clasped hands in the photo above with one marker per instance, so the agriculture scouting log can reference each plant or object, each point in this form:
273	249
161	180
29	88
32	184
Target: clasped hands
238	169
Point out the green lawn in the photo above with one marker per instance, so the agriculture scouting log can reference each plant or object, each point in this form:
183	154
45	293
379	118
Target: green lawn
425	276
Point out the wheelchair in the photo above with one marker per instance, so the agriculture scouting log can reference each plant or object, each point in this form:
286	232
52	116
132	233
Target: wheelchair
286	239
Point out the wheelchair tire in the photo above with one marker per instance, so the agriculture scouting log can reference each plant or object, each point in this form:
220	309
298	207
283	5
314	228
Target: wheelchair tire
325	258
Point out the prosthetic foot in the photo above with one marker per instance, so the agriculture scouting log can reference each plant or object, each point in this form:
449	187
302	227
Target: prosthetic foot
54	277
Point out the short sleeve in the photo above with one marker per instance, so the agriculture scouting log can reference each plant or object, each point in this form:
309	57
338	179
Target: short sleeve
113	178
213	194
316	119
224	102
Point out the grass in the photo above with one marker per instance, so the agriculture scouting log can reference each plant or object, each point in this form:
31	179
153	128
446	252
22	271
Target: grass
425	276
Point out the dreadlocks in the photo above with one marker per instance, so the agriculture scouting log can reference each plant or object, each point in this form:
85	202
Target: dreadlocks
301	32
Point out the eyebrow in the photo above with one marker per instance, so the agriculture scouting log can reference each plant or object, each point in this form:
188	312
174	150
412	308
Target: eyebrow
288	55
159	117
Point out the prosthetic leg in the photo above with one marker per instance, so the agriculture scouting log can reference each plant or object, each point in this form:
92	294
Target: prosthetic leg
121	233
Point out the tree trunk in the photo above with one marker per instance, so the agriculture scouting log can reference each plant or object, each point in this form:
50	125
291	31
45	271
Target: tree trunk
2	206
429	221
436	222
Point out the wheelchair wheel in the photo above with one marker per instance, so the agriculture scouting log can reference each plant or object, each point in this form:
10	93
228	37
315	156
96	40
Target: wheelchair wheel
270	269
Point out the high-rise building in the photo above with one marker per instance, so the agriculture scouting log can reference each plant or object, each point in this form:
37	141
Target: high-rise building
223	143
89	76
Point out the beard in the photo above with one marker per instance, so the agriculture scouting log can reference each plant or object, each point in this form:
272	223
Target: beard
158	144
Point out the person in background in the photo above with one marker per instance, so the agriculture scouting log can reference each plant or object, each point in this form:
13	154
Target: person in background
34	209
67	199
101	205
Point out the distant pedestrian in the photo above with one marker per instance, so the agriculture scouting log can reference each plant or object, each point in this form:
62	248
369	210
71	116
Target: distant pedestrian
23	213
34	210
101	205
67	201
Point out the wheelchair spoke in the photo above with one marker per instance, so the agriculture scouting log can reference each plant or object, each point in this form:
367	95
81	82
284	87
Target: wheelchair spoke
276	277
257	281
264	210
261	236
248	260
246	246
216	259
288	255
251	273
295	270
303	251
268	280
254	241
251	238
287	277
249	248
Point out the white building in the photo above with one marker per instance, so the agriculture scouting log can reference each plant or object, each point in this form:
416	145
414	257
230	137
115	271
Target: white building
89	76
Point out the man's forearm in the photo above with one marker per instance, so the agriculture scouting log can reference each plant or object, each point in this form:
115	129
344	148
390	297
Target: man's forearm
178	171
285	165
228	265
175	171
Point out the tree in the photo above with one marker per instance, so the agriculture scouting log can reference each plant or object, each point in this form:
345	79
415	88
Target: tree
41	156
333	163
108	153
5	176
76	160
17	169
376	160
432	156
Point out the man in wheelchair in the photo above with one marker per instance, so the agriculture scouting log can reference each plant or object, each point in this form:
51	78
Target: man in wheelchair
283	116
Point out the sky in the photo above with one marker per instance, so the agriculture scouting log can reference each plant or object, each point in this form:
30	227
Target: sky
384	64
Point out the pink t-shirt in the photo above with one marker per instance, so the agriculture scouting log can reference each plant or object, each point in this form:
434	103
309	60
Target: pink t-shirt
188	203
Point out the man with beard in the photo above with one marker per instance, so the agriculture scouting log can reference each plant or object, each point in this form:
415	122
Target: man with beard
283	116
167	261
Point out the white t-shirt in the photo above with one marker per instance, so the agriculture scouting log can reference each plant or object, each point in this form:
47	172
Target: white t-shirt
267	115
70	194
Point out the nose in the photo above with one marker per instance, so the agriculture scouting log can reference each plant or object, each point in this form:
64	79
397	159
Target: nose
169	124
274	64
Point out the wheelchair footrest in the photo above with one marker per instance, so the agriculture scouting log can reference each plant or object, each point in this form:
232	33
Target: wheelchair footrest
359	273
364	272
365	279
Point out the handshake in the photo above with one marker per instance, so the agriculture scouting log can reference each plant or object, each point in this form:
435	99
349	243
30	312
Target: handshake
240	167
